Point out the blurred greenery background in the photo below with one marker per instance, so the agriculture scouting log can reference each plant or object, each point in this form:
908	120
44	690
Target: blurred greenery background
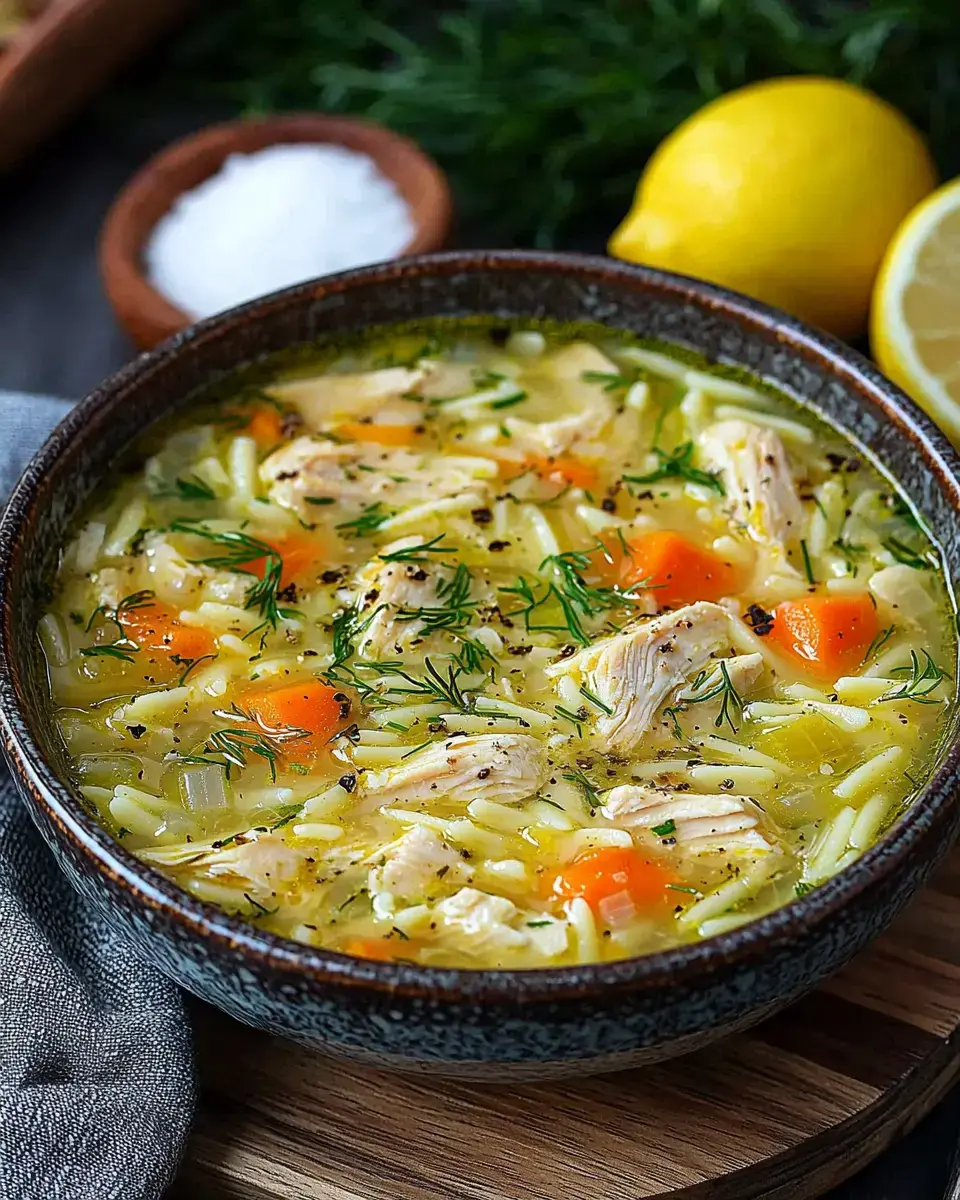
544	111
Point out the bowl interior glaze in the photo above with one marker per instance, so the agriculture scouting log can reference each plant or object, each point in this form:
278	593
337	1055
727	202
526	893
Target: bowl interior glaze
817	371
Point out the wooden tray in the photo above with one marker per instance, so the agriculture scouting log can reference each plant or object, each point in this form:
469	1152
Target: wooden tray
61	56
784	1111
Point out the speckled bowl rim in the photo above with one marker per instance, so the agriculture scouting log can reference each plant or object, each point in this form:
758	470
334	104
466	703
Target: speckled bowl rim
239	938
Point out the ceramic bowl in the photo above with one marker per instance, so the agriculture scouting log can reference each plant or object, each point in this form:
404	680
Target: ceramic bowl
144	312
500	1023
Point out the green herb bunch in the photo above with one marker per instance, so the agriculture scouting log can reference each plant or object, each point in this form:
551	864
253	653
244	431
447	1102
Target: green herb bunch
543	111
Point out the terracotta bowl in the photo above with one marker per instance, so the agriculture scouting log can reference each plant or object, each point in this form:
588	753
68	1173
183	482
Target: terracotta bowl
144	312
488	1022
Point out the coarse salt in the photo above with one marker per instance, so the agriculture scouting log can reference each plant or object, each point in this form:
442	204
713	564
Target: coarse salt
272	219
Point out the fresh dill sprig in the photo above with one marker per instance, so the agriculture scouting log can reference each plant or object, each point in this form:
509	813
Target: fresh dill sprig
731	702
122	647
923	680
570	593
238	551
348	624
576	719
678	464
580	780
233	744
473	656
142	599
454	608
189	665
434	684
369	521
613	381
192	487
879	641
595	700
807	564
417	553
920	560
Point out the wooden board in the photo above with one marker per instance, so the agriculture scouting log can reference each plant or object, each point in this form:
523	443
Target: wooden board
58	59
784	1111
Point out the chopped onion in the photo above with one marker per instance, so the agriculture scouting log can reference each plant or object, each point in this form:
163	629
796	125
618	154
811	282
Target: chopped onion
618	910
203	788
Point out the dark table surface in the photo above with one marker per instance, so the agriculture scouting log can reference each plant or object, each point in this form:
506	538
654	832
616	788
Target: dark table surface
58	335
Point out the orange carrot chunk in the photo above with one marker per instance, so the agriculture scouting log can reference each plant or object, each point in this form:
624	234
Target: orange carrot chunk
309	705
366	947
609	871
381	434
303	558
565	470
266	427
158	629
680	570
828	634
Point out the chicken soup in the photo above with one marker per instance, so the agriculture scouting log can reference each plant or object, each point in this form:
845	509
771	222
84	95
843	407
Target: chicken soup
490	649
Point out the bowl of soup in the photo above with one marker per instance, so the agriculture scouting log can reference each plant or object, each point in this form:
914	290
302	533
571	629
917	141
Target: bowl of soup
490	663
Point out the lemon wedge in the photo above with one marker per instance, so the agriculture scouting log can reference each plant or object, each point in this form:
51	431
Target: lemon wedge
915	314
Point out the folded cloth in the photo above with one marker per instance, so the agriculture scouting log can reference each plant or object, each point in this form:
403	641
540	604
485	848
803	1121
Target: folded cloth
96	1069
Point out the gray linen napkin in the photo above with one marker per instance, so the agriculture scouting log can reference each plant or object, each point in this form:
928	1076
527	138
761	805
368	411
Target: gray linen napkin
96	1069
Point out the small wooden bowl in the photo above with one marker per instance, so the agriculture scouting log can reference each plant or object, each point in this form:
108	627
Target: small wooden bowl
146	315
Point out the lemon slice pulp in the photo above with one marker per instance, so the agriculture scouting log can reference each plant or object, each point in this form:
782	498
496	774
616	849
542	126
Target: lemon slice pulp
915	315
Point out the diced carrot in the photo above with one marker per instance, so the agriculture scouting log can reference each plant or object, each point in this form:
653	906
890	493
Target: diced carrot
679	570
303	557
600	874
310	705
829	634
366	947
266	427
382	434
157	628
565	470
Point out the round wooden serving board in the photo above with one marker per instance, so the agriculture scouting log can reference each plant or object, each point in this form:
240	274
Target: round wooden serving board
784	1111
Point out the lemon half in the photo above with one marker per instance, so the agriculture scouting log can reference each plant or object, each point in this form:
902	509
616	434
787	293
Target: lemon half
915	316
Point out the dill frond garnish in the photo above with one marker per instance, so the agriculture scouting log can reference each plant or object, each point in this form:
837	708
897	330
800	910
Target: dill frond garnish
569	593
369	521
921	560
417	553
348	625
580	780
923	680
678	464
731	702
122	647
238	551
434	684
877	644
454	608
192	487
233	744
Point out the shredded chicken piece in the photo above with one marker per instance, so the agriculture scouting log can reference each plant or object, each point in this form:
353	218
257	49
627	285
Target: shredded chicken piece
358	475
385	588
634	672
323	398
702	824
416	865
483	919
491	766
593	406
257	862
753	465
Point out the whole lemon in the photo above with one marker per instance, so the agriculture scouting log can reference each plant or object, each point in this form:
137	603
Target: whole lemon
788	190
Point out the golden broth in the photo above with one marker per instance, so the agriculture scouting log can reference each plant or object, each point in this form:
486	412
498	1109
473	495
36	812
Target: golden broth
498	651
